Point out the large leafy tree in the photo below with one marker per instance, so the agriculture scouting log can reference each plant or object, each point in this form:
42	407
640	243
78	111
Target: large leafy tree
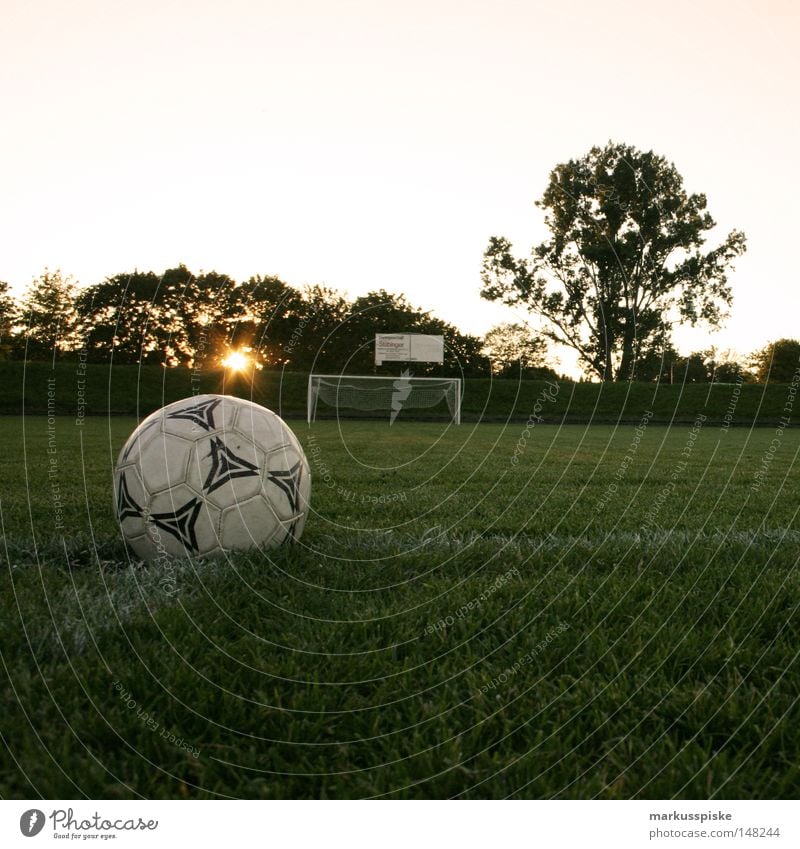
263	316
121	315
625	260
171	318
777	362
48	317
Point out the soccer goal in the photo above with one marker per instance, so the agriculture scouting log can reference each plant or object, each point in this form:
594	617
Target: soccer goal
390	394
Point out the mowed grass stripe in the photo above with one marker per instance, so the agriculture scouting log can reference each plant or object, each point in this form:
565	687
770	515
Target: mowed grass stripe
325	670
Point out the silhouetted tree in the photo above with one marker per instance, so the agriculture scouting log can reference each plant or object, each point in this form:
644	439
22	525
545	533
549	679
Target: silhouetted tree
178	318
694	368
726	368
47	316
624	260
709	366
352	345
658	363
9	316
777	362
264	314
174	318
318	340
515	352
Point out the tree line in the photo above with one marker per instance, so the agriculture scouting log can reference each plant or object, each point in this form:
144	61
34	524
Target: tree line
181	319
625	264
192	320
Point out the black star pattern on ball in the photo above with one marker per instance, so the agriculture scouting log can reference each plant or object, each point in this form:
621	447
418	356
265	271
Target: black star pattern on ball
289	482
201	414
290	538
127	508
226	466
181	523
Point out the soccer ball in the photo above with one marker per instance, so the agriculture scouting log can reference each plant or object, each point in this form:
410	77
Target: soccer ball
211	474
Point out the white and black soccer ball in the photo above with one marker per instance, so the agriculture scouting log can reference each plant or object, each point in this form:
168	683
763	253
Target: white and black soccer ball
211	474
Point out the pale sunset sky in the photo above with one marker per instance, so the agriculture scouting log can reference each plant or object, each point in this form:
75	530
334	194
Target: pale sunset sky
366	145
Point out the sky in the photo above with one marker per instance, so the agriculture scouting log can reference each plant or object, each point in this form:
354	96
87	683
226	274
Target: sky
366	145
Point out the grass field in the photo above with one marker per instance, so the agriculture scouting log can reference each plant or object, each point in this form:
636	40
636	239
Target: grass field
483	611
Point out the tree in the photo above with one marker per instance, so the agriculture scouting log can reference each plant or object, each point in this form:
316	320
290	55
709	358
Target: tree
318	341
8	318
697	367
709	366
264	315
725	368
117	316
178	318
383	312
777	362
48	317
515	352
200	313
173	318
625	260
659	363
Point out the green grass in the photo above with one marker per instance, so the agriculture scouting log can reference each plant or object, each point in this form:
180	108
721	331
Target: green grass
654	627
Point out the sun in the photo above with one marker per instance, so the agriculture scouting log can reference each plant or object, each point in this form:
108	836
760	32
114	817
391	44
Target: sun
236	361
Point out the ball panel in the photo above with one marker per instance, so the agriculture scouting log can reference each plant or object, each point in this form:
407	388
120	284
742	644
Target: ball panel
137	440
162	461
250	524
261	426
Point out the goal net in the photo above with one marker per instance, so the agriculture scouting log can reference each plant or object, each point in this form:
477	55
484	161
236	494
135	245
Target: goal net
392	395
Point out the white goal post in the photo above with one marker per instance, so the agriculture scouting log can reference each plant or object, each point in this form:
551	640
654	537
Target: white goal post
371	393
